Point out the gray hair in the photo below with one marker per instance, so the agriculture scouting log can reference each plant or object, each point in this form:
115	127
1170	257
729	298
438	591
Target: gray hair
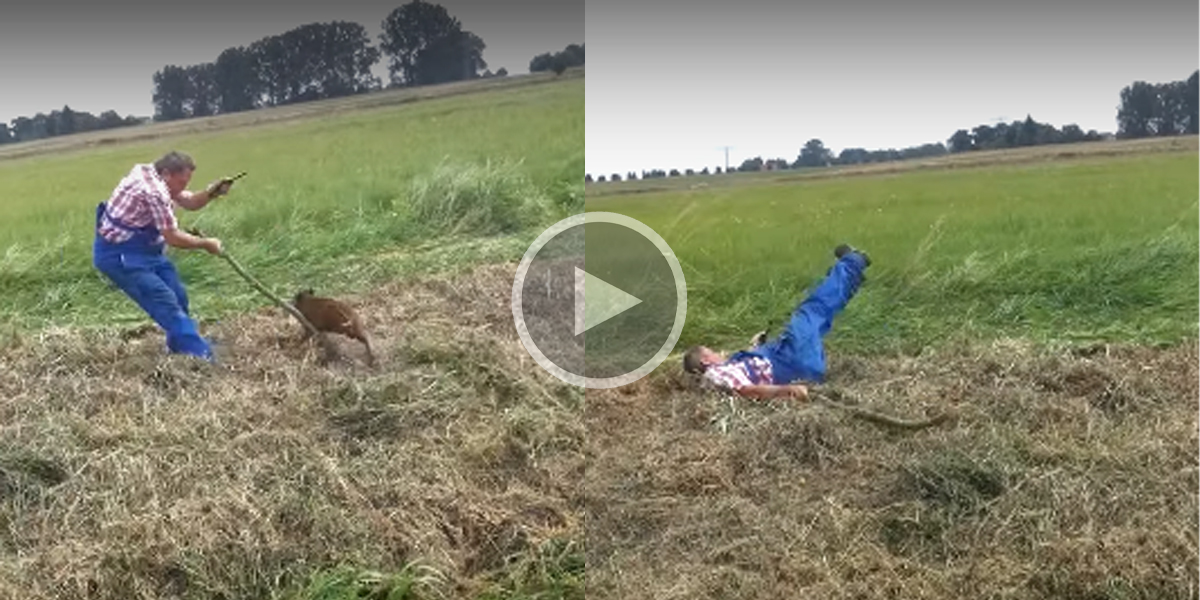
174	162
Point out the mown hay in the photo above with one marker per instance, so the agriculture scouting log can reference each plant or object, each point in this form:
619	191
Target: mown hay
126	474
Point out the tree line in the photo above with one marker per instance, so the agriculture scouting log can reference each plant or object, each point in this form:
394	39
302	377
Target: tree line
1162	109
61	122
571	56
422	42
1145	110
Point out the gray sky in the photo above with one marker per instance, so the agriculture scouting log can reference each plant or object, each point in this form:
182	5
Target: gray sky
670	84
96	57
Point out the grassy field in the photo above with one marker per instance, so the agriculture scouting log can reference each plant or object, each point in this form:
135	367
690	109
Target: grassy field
444	472
1103	249
337	202
457	468
1044	299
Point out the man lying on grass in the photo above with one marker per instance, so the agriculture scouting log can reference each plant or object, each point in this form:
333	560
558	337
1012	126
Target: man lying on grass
774	368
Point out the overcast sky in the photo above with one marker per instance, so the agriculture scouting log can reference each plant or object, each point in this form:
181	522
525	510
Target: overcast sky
670	84
102	56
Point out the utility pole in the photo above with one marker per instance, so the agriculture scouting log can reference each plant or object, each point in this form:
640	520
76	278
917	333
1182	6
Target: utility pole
726	158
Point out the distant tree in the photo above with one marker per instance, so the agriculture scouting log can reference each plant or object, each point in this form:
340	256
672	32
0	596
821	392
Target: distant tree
502	72
884	155
277	73
961	141
751	164
6	136
853	156
923	151
170	93
82	121
1191	103
1027	132
573	55
455	56
1009	134
411	29
109	119
1172	118
674	173
1072	133
541	62
1138	110
984	137
704	171
340	57
203	96
67	121
558	62
1048	134
600	179
318	60
588	178
23	129
630	176
237	79
813	154
717	171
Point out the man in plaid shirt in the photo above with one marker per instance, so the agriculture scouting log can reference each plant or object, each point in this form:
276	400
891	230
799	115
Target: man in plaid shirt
770	369
133	229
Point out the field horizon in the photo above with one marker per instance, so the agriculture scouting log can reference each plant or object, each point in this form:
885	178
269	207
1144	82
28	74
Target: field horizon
1046	297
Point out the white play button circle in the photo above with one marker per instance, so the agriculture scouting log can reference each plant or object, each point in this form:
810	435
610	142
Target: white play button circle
599	300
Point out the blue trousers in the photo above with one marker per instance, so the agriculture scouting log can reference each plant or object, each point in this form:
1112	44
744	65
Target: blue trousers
798	354
147	276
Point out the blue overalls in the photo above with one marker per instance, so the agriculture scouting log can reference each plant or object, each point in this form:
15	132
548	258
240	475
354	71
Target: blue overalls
139	266
798	354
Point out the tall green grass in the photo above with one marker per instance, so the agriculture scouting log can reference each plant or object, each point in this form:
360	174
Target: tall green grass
554	570
337	203
1063	252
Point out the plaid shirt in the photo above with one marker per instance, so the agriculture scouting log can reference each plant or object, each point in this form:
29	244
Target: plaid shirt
140	199
737	374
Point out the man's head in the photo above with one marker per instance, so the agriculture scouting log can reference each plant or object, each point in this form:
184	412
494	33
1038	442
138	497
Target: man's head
176	170
699	358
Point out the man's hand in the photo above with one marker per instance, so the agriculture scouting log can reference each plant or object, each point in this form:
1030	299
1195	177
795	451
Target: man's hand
212	245
191	239
798	391
219	188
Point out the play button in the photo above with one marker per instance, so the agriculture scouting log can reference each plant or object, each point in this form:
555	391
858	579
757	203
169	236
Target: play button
599	300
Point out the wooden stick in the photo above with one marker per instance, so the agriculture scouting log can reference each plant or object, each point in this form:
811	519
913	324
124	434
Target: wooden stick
880	418
329	347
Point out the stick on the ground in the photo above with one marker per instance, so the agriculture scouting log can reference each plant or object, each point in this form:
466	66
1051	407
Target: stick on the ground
329	347
880	418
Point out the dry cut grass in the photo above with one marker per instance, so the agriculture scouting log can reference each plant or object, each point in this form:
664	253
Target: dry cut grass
128	475
1067	474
